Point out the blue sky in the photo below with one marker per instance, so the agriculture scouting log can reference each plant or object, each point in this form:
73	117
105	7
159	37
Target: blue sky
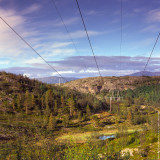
37	21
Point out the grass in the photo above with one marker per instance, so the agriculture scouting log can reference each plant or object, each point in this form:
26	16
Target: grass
83	137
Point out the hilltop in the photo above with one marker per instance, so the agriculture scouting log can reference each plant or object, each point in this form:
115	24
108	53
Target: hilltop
93	85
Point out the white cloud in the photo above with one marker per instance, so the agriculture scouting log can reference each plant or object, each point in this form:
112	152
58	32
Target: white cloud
153	15
82	34
12	17
63	52
75	34
62	72
138	10
150	28
4	62
10	44
34	60
60	44
67	22
93	12
31	9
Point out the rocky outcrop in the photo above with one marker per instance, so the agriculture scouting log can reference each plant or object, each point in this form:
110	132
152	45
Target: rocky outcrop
94	85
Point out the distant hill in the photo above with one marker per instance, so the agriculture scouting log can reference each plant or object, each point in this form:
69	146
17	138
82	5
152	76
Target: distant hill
146	73
54	79
93	84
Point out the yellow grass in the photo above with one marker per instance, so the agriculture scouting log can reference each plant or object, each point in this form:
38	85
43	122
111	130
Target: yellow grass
82	137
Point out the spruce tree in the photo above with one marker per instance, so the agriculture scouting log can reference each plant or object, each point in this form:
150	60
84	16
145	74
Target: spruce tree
71	105
50	123
88	110
27	102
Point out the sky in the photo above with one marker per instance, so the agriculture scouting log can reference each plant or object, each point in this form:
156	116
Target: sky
70	54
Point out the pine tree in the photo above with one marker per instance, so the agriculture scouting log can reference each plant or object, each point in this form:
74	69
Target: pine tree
47	110
79	116
47	98
13	105
27	102
42	103
71	105
62	102
32	100
50	123
129	116
88	110
55	107
18	102
65	121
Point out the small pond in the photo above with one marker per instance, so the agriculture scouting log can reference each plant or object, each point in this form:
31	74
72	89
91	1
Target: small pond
107	137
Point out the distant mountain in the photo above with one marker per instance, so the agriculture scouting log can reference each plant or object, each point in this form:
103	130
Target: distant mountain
54	79
146	73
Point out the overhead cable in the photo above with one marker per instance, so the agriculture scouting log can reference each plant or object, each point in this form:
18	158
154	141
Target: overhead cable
59	14
151	53
32	48
89	39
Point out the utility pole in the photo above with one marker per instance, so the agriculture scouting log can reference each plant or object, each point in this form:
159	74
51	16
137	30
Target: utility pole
115	98
110	104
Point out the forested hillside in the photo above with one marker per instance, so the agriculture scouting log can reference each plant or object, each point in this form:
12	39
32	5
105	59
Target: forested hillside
42	121
20	94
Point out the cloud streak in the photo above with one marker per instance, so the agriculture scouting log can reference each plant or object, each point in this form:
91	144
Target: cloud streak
153	16
108	62
73	66
33	8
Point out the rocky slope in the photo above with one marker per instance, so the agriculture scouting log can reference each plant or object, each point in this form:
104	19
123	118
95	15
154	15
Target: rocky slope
93	85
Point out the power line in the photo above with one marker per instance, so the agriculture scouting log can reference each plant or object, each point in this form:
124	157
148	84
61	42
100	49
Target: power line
88	39
151	52
31	48
59	14
121	26
121	35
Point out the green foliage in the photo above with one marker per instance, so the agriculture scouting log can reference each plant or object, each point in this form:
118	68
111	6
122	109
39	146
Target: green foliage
88	110
34	114
147	94
71	105
65	121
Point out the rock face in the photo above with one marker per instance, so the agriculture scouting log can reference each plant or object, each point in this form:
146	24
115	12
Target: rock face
94	85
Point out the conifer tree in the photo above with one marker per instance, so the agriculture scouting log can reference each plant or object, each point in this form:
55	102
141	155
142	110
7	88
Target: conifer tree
65	121
47	110
32	100
71	105
88	110
13	105
47	98
50	123
62	102
26	103
18	102
55	107
79	116
129	116
42	103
